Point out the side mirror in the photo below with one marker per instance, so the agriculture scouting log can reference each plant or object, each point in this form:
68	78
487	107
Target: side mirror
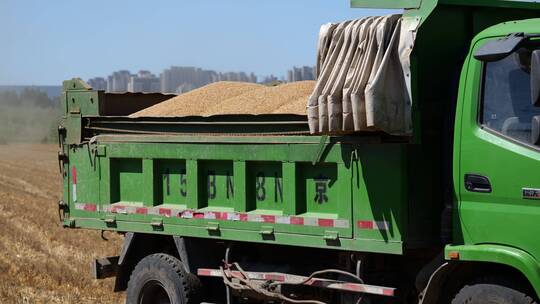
535	131
535	78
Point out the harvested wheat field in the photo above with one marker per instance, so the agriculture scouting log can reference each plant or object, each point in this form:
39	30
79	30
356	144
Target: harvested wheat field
40	262
236	98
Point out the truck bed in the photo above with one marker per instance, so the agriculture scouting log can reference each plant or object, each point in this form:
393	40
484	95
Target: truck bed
260	178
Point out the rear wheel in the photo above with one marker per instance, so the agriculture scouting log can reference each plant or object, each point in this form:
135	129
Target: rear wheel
161	279
491	293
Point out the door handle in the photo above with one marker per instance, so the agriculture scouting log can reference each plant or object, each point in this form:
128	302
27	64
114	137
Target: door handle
477	183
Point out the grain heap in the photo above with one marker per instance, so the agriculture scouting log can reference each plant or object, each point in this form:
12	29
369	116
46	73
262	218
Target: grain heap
197	101
236	98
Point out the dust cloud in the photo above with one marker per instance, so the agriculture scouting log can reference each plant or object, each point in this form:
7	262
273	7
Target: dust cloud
29	116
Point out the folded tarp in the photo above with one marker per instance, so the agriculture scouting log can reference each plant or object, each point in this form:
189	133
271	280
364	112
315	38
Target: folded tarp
362	78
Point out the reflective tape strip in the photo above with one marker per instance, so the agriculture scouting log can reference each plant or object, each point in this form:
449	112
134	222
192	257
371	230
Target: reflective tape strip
74	192
286	220
209	272
227	216
268	219
165	212
296	220
222	216
373	225
198	215
209	215
141	210
325	223
74	183
295	279
90	207
310	221
73	175
233	216
86	207
186	214
253	218
341	224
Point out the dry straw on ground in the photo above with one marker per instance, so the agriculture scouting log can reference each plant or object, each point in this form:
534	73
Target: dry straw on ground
236	98
41	262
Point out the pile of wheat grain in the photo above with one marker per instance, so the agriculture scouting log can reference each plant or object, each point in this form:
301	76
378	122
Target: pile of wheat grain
236	98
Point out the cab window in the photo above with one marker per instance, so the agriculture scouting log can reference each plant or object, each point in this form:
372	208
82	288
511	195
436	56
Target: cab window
507	106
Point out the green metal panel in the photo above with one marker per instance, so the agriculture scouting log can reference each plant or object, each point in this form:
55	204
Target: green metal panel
127	180
379	192
171	182
73	125
83	167
240	187
275	180
216	181
265	186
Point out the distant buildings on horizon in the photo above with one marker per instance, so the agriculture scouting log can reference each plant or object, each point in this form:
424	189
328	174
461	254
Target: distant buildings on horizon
172	80
301	74
183	79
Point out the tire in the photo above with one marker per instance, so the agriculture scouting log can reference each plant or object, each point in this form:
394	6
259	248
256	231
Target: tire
161	279
486	293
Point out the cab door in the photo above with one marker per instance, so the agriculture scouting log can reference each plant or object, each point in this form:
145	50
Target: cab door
498	173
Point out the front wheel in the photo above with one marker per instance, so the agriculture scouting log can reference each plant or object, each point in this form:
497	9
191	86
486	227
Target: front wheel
484	293
161	279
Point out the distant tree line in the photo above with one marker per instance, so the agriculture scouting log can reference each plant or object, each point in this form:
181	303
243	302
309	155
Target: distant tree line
28	116
28	97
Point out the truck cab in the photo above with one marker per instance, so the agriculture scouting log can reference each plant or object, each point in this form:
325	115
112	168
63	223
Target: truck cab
496	151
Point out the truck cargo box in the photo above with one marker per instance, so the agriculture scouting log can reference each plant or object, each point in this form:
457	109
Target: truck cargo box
257	178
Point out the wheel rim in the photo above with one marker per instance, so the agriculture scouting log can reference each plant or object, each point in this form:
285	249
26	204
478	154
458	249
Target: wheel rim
153	292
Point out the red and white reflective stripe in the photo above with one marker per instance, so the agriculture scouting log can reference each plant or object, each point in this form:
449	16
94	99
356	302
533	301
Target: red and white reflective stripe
222	216
295	279
373	225
260	276
86	207
74	183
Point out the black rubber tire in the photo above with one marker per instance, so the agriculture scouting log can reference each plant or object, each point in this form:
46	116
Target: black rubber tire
486	293
161	279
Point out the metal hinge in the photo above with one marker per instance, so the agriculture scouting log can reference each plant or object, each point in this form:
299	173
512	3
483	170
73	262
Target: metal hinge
212	227
61	135
63	208
331	235
267	231
157	223
110	220
62	160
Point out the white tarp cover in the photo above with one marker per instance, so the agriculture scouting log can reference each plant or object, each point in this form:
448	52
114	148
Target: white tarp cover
363	74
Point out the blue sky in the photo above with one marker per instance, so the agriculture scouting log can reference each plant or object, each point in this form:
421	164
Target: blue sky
45	42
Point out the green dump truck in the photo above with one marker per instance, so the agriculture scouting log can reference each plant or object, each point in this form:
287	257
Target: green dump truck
237	208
